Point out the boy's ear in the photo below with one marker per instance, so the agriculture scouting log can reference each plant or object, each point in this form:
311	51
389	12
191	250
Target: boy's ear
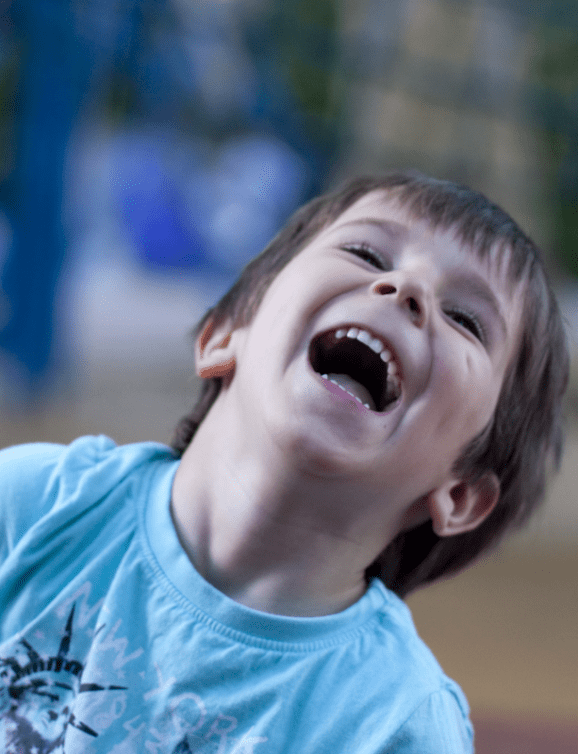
458	506
214	351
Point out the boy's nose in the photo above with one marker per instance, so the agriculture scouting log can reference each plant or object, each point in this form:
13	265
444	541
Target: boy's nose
410	294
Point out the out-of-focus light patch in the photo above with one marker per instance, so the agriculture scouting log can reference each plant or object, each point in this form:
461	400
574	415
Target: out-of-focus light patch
238	229
257	181
267	167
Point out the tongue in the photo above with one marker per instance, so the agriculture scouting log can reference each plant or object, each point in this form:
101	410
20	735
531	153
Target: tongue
355	388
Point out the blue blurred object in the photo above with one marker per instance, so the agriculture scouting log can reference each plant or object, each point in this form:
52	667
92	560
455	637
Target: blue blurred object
152	204
205	215
64	48
52	80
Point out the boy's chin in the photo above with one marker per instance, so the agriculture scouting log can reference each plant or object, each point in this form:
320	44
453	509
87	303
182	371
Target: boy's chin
322	448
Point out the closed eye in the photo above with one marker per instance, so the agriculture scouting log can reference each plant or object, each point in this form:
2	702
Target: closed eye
365	252
469	322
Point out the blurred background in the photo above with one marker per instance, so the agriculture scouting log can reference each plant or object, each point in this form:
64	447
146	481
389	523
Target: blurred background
150	148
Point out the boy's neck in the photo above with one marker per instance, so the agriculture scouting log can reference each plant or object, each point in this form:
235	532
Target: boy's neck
267	534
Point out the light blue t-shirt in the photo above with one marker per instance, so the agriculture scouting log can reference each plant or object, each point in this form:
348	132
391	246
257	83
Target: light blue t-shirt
111	642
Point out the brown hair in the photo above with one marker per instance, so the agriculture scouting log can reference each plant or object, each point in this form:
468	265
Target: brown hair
522	442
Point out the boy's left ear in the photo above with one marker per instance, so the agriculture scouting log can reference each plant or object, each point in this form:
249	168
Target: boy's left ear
458	506
215	351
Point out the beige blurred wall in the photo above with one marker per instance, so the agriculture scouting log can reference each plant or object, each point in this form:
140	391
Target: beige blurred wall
445	87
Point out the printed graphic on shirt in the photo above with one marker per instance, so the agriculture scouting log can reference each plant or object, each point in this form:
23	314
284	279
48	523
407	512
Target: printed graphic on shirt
37	694
188	725
220	738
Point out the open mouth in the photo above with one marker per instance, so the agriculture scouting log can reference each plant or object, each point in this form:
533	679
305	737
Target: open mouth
359	363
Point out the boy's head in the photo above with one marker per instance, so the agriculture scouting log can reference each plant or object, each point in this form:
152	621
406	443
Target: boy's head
523	435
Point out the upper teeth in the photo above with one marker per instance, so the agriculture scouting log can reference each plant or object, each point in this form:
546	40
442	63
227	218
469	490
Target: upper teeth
356	333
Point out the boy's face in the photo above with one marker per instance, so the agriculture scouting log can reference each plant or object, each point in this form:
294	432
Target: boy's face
380	310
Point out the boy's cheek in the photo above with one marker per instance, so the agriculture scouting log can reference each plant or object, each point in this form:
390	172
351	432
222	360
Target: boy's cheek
467	406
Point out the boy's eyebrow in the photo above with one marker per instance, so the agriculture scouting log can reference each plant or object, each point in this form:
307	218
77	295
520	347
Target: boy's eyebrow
397	231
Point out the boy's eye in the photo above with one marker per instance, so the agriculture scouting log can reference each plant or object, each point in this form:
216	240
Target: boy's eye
365	252
469	321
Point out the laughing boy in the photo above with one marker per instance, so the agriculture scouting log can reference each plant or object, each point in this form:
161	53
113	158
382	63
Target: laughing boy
380	405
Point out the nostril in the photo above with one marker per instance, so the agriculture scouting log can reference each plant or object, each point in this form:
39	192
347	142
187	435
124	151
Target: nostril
413	305
416	310
384	289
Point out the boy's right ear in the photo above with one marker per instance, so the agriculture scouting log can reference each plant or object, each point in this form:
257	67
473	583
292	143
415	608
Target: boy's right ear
215	351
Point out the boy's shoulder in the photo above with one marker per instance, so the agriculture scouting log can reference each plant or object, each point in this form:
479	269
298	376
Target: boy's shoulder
35	465
418	683
411	652
36	478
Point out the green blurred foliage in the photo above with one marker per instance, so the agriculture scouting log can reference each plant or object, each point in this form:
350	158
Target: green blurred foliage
558	67
556	74
307	32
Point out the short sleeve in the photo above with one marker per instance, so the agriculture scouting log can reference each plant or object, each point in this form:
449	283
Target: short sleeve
440	725
27	489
